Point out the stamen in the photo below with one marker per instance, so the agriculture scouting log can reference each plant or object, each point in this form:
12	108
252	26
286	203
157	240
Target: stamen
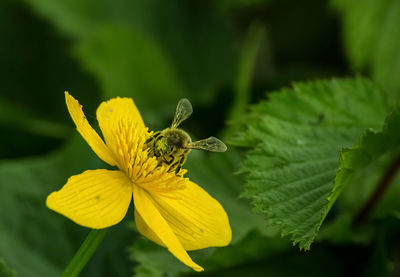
139	165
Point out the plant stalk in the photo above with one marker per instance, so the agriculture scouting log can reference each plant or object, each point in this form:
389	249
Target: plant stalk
383	185
84	253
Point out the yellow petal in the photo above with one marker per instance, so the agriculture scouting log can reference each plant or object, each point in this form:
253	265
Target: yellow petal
96	198
87	132
115	112
196	218
145	206
145	230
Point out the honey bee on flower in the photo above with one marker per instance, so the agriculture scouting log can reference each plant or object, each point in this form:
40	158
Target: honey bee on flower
172	145
170	210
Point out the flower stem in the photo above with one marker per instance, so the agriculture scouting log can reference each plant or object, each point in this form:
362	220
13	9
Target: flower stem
84	253
383	185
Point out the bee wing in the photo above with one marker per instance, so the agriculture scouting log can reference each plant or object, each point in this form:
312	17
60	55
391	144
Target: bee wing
183	111
210	144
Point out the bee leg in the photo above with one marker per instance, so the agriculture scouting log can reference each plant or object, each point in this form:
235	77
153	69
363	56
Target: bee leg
152	137
177	169
179	164
157	151
152	148
171	168
170	161
151	151
174	165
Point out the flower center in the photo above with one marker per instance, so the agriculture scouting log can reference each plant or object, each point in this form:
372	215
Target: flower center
133	158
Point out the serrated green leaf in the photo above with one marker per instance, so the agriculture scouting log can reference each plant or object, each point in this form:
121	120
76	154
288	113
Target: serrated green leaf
297	136
368	149
363	167
371	38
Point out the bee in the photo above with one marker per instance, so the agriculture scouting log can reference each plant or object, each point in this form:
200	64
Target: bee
172	145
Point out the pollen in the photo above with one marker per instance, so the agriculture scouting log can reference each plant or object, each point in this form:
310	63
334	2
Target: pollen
134	160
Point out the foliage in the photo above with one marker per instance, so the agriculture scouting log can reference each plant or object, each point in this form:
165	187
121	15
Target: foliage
312	148
128	52
31	230
215	175
370	36
300	134
5	271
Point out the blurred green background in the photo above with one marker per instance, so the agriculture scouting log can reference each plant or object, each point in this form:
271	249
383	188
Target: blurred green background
222	55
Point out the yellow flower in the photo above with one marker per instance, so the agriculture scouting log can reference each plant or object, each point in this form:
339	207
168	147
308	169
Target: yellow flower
169	210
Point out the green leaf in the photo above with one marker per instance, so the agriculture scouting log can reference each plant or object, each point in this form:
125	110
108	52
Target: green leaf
297	138
371	38
291	262
213	172
20	118
341	232
240	5
129	63
364	166
378	263
255	255
369	148
32	111
153	51
5	271
245	74
154	260
29	230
